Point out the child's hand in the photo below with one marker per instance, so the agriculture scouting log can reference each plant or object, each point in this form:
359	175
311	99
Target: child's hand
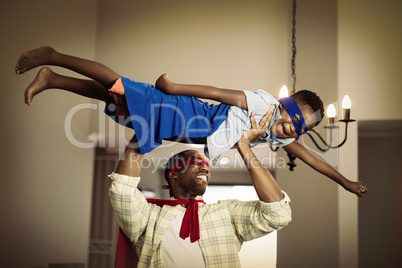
257	130
357	187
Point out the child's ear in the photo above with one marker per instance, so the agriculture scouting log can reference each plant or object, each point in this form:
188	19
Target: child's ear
297	118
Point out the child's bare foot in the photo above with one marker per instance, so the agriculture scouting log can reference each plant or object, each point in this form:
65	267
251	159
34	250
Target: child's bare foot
39	84
357	187
34	58
164	84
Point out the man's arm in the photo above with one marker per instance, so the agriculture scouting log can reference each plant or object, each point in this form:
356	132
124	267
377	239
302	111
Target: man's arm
272	212
264	183
130	164
127	201
295	148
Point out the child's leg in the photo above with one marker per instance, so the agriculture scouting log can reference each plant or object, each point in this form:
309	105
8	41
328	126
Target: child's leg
228	96
46	79
48	56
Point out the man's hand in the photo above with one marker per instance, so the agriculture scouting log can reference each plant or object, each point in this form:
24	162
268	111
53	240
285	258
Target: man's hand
257	130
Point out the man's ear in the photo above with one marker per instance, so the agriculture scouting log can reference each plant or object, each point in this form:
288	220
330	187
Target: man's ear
172	175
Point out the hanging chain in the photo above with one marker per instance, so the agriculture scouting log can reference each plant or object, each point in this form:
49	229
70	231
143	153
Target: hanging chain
294	46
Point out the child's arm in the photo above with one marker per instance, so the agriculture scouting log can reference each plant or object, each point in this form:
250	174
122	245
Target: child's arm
317	163
227	96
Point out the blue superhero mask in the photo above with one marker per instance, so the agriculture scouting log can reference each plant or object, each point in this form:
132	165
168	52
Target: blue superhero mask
292	108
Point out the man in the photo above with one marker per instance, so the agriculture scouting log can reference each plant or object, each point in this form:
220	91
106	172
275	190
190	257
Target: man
188	232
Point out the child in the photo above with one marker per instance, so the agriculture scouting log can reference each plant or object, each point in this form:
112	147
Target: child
156	115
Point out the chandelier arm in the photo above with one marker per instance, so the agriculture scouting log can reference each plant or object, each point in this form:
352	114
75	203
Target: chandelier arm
346	136
316	144
325	143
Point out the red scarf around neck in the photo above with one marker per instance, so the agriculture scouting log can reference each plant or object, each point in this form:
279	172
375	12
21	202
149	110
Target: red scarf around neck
126	256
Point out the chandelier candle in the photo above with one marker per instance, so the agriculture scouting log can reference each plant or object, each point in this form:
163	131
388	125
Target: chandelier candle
331	112
346	105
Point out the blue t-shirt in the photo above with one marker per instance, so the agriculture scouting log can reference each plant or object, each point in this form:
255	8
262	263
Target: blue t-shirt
156	116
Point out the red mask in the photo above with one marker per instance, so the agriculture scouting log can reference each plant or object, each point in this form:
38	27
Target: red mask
191	160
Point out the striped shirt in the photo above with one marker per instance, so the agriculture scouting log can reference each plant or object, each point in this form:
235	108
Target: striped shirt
224	226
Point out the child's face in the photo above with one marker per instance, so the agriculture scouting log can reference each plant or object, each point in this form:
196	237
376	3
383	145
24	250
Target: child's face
284	128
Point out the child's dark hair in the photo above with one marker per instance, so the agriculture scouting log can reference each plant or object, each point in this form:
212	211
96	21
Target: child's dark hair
313	100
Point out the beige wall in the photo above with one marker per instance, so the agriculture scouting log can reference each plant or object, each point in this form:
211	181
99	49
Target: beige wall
46	181
369	55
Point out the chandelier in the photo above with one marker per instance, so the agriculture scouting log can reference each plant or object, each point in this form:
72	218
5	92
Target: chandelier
331	111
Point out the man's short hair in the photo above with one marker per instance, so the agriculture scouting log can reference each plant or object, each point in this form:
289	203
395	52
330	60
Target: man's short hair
172	162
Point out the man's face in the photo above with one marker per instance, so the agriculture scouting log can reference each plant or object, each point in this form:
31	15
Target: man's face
194	177
284	128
